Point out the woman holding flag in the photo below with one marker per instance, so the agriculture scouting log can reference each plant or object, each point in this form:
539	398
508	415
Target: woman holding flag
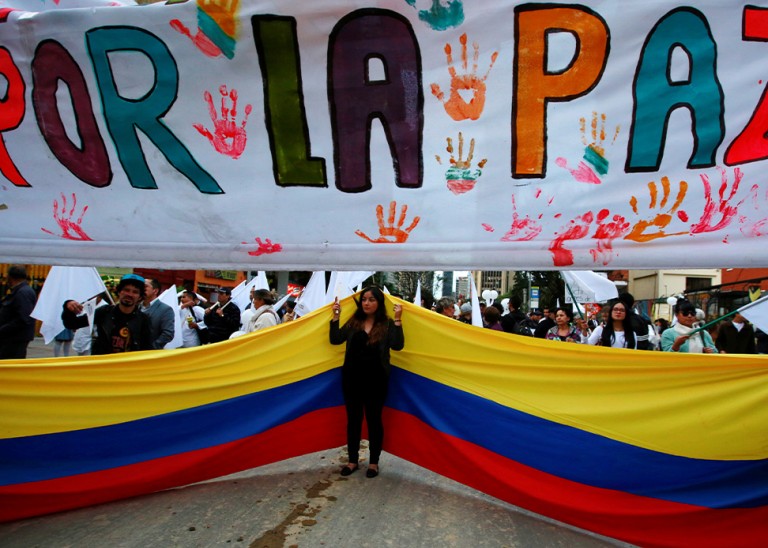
369	335
682	337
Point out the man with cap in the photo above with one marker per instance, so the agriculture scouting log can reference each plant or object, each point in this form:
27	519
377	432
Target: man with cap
223	318
17	327
466	313
528	326
120	327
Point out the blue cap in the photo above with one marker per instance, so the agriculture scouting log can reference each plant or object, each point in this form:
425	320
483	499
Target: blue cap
135	277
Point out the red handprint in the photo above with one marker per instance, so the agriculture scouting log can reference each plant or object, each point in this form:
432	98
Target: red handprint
575	230
265	247
456	107
605	234
228	138
70	230
661	220
522	229
200	40
724	209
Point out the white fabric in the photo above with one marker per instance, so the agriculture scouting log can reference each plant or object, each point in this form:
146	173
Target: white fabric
757	313
64	283
577	185
588	287
313	296
695	343
477	317
169	297
417	296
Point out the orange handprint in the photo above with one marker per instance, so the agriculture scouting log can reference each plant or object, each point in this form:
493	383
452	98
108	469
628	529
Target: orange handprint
456	107
228	138
661	220
391	234
724	209
64	219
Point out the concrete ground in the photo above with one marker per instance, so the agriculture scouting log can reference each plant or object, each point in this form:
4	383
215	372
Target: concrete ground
302	502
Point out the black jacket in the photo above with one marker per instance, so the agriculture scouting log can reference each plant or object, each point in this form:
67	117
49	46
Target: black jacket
103	324
16	324
395	340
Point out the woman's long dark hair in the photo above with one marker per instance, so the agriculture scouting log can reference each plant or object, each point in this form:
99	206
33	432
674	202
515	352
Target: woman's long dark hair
609	335
380	318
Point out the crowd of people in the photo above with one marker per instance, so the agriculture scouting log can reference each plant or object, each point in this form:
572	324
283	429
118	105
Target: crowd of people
139	320
620	326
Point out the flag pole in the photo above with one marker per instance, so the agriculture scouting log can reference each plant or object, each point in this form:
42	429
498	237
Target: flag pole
732	313
713	322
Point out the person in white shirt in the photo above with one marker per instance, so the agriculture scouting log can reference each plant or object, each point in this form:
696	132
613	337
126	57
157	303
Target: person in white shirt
191	321
617	331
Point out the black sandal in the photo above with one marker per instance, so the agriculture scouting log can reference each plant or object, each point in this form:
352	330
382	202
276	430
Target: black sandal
347	471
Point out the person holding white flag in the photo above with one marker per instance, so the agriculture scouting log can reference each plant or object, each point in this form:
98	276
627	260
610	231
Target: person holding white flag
121	327
682	337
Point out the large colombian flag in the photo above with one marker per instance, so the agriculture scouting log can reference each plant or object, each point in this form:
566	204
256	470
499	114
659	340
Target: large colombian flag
651	448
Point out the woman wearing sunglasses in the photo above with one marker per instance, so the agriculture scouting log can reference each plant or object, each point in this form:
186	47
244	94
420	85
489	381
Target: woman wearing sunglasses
678	338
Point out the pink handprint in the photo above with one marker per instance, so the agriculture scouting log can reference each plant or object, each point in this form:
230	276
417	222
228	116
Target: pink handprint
759	227
265	247
724	209
70	230
605	234
228	137
522	229
576	229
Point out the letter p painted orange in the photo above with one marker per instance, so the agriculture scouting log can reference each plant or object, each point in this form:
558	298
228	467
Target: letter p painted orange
535	86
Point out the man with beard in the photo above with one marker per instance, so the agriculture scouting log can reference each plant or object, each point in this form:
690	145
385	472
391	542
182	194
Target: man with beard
120	327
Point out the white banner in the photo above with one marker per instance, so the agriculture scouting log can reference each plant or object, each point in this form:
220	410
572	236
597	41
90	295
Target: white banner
384	135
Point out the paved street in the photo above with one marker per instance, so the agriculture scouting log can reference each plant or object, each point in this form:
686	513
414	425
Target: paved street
302	502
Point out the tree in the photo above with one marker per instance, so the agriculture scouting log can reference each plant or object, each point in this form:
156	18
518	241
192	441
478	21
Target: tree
408	281
550	284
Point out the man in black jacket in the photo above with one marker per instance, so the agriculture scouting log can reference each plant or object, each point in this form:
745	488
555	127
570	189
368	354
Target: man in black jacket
223	318
17	327
736	336
121	327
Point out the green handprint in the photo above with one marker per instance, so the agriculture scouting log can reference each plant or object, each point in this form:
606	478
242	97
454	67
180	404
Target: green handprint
441	17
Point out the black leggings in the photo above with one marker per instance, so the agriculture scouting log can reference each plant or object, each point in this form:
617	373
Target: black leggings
365	401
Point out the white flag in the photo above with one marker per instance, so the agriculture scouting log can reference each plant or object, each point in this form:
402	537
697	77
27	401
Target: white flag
313	296
417	297
77	283
169	297
342	284
588	287
757	313
477	319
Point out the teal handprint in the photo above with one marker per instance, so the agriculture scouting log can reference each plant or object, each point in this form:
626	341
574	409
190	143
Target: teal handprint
442	15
